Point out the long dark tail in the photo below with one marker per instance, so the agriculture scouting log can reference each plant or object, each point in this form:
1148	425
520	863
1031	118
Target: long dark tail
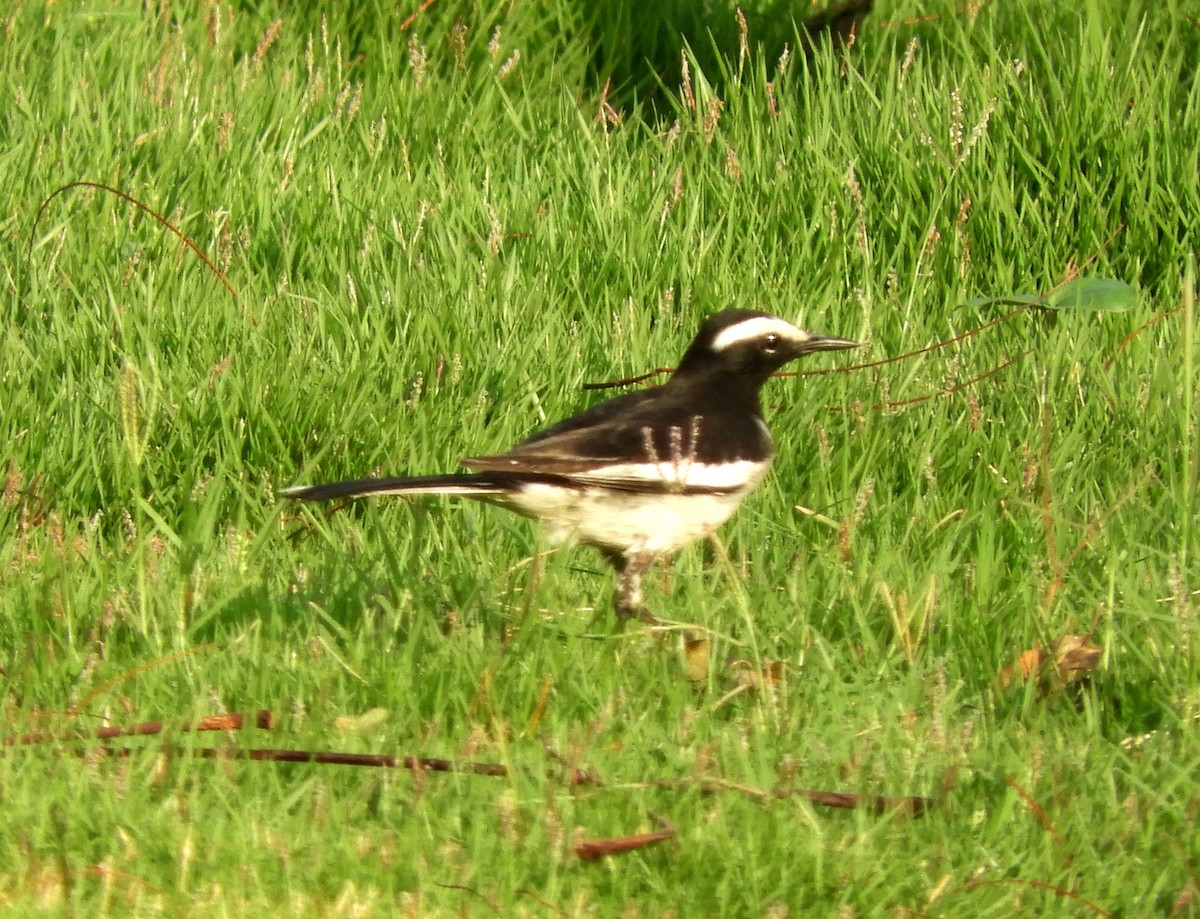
470	484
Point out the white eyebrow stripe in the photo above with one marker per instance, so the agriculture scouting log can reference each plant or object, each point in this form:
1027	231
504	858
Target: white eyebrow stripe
757	328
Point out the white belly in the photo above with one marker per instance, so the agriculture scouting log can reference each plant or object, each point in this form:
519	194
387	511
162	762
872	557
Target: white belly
628	522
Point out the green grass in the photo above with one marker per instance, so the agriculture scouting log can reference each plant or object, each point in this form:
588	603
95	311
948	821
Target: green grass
434	247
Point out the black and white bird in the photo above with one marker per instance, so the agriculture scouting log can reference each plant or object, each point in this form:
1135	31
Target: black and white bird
643	474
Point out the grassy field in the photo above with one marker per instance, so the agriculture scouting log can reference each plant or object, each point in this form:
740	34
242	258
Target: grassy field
437	233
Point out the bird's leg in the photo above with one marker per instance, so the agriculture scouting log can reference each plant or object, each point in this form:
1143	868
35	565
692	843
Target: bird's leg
533	582
627	597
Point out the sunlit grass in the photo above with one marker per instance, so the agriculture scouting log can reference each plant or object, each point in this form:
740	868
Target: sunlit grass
437	236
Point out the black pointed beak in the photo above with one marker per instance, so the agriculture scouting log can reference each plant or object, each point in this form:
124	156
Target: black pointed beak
826	343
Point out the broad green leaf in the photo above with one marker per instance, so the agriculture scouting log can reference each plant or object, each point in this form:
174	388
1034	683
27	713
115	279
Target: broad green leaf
1099	295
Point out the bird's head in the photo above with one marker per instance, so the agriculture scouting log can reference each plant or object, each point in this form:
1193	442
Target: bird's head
750	345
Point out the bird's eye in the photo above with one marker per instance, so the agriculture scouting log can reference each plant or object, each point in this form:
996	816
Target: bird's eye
771	343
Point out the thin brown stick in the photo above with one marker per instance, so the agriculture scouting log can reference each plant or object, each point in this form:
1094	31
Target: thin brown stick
629	381
146	209
1097	525
845	800
265	720
658	371
1069	275
232	722
841	800
1011	314
526	892
134	671
334	758
473	892
1128	339
413	17
321	757
1043	819
590	850
903	403
1042	885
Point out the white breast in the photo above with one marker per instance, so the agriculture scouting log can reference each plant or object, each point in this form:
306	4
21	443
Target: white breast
628	522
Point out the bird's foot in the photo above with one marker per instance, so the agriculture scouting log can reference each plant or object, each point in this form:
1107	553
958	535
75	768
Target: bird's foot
639	613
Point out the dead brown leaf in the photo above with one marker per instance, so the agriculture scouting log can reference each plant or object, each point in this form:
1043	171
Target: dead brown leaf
695	659
1067	662
770	675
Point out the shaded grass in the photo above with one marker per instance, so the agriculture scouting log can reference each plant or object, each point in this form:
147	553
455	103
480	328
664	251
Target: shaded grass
431	258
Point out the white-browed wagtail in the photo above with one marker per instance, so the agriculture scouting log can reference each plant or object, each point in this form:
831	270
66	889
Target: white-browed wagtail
645	473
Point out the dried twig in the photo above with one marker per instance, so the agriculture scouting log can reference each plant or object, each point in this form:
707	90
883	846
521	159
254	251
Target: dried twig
1043	819
841	800
1041	885
590	850
231	722
1011	314
334	758
629	381
658	371
473	892
945	391
140	668
526	892
413	17
146	209
577	776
